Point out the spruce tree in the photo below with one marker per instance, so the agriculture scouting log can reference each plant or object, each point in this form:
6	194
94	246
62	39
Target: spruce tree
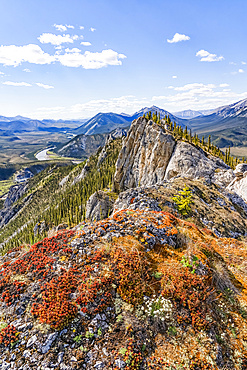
209	142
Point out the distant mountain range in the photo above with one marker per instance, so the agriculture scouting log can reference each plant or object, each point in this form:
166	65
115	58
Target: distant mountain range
106	122
187	114
18	124
227	124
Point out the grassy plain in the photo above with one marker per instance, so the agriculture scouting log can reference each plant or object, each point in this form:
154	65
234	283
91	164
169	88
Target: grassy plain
238	151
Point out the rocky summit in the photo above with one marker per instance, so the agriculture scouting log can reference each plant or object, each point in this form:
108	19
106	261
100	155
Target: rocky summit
139	259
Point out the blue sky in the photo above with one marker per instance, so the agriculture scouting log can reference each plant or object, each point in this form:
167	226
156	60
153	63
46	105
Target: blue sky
75	58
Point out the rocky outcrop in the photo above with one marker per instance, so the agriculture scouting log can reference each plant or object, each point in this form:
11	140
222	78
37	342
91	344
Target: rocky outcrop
144	157
223	177
136	199
82	146
240	169
150	155
189	161
15	193
116	134
23	175
239	184
83	173
10	208
98	206
219	210
40	228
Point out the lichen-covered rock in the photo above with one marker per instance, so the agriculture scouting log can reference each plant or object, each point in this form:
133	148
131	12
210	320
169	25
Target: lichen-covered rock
144	156
98	206
189	161
135	199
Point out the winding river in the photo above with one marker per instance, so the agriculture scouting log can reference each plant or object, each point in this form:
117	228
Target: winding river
42	156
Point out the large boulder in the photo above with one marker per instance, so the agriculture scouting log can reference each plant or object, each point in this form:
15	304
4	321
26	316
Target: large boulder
99	206
239	186
189	161
240	169
144	157
223	177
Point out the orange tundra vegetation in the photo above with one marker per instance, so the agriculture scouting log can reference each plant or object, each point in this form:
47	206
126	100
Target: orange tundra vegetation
193	283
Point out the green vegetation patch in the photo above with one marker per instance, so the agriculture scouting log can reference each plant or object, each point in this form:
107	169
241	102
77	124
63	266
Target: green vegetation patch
4	186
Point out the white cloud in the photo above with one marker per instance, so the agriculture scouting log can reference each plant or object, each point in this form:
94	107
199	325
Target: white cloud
15	55
60	27
208	57
174	76
128	103
73	50
50	38
26	70
198	96
82	27
44	86
1	73
224	85
233	63
10	83
194	86
236	72
92	29
178	37
86	43
90	60
212	96
243	62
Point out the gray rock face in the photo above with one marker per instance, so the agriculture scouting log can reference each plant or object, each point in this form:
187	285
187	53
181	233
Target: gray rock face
240	169
117	133
82	175
144	157
150	155
10	208
189	161
15	193
239	186
98	206
223	177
